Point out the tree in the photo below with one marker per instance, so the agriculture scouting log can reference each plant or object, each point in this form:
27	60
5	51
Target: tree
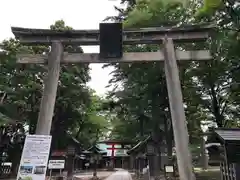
12	139
209	88
95	122
228	9
21	88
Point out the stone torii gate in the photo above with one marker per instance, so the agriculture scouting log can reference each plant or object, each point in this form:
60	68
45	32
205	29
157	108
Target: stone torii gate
166	36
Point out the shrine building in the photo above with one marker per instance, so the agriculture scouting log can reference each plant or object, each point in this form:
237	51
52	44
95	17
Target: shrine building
116	153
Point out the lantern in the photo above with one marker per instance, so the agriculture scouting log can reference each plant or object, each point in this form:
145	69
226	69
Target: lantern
150	149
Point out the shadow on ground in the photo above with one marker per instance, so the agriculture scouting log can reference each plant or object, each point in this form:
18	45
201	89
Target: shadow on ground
210	174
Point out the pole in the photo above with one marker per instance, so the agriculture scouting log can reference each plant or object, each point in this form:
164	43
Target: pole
70	166
50	174
122	162
177	112
50	90
95	165
204	156
149	175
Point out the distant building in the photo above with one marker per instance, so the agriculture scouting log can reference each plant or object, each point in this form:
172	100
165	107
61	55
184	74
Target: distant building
116	152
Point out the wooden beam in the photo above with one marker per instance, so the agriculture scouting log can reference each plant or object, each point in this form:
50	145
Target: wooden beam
127	57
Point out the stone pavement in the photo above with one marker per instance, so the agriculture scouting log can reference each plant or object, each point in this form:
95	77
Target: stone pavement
88	175
120	175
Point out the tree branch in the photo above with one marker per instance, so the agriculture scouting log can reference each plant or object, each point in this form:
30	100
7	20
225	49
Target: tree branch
3	97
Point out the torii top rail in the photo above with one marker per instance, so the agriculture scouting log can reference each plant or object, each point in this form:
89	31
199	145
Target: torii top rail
130	36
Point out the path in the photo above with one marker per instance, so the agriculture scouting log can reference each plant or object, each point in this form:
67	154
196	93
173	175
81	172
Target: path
88	175
120	175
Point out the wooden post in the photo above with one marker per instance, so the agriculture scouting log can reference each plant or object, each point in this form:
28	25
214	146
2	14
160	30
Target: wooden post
177	112
122	162
50	90
152	167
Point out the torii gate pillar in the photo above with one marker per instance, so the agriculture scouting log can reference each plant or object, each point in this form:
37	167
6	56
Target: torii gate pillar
177	111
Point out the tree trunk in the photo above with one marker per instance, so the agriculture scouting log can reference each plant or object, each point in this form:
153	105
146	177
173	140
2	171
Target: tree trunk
216	108
1	154
32	126
33	114
15	157
78	132
70	161
169	138
81	126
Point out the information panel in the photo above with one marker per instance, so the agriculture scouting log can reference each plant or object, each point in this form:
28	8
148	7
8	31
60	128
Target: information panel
34	160
56	164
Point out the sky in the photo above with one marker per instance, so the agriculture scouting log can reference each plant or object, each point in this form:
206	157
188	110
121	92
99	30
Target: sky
79	14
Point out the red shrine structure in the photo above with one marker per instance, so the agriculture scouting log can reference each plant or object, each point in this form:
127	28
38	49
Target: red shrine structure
118	158
113	148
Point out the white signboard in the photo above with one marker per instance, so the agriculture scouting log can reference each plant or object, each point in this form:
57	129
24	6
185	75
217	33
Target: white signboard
56	164
34	160
169	169
121	152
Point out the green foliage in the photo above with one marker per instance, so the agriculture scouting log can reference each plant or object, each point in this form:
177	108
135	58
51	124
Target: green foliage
148	13
94	124
209	8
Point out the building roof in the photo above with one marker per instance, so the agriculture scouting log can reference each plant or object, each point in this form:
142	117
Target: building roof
117	141
141	145
58	153
228	134
86	152
94	149
74	141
